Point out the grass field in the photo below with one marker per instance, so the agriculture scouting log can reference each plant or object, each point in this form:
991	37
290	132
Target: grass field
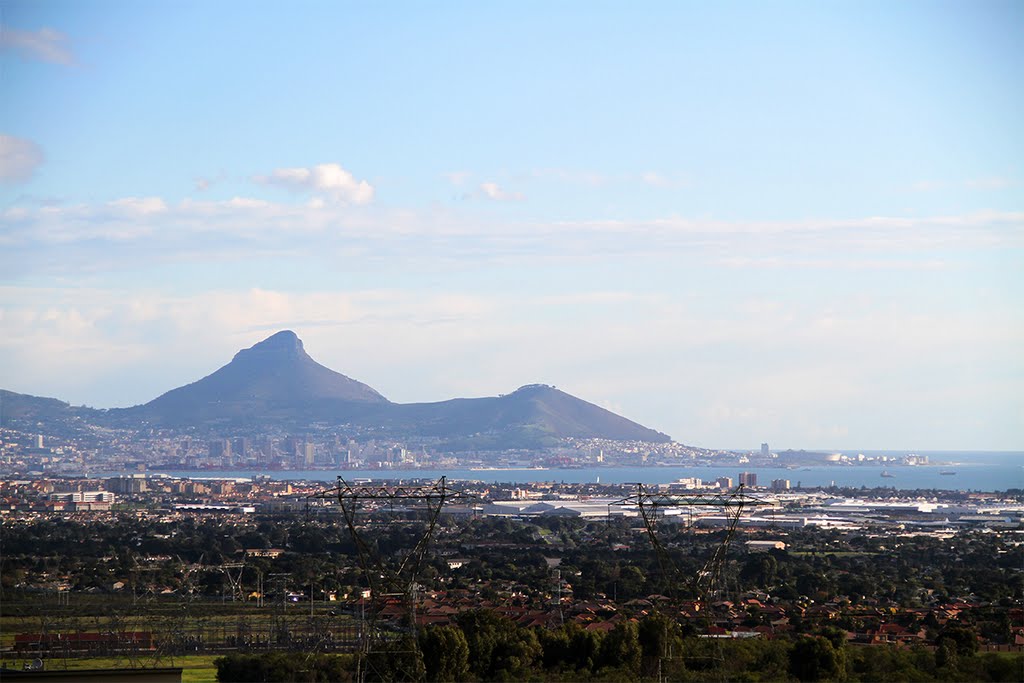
214	622
195	668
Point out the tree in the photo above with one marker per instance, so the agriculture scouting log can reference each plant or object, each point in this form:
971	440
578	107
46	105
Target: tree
570	647
962	639
659	638
759	570
398	660
445	653
814	659
497	647
283	666
631	582
620	649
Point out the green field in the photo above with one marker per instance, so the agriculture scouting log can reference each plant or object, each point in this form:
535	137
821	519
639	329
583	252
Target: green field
195	668
215	623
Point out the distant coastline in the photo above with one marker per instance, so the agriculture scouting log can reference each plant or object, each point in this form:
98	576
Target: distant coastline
975	472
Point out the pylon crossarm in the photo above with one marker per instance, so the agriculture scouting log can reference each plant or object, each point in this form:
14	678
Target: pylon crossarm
436	492
734	499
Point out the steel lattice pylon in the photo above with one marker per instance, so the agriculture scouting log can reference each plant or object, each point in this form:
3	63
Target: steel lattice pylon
383	580
652	503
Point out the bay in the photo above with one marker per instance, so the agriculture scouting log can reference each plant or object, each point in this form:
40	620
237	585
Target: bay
992	471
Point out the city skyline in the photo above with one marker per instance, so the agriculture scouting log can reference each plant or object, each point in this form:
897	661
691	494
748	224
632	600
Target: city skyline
796	223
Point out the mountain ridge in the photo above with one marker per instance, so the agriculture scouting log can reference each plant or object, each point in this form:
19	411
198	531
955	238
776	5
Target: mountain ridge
276	383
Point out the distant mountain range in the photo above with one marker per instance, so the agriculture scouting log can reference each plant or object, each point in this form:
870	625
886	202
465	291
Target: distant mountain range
276	383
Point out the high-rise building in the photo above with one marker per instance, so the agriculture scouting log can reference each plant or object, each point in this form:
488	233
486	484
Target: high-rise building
220	449
240	447
748	479
780	484
306	454
266	451
765	451
724	483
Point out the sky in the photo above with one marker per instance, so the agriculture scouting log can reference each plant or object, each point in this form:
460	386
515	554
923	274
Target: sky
734	222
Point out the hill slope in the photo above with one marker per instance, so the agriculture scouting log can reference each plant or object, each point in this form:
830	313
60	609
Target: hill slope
535	415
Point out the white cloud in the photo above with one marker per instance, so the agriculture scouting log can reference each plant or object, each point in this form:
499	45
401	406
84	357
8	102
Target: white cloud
990	183
143	206
927	186
572	176
247	203
328	179
147	230
745	262
984	183
19	159
457	178
597	179
46	45
655	179
495	192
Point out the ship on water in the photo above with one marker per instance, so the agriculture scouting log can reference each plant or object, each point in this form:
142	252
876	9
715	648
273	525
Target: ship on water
887	475
947	472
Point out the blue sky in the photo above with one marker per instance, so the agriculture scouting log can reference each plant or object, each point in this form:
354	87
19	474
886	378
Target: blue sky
732	222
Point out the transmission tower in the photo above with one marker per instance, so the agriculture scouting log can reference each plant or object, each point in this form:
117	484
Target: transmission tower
381	578
384	579
234	579
652	505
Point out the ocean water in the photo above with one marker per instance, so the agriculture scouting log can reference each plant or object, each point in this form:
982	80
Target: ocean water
975	471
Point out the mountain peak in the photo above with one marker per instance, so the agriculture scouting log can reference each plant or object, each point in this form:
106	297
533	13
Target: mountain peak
533	389
285	343
275	377
282	338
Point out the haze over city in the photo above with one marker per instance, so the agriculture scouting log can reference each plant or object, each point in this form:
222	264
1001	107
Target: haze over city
733	223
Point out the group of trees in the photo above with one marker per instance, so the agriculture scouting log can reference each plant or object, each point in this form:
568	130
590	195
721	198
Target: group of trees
483	646
881	573
818	566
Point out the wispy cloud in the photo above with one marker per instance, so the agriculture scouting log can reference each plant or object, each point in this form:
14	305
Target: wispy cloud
985	183
927	185
330	180
496	193
656	179
19	159
990	183
139	206
45	45
152	229
572	176
744	262
457	178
